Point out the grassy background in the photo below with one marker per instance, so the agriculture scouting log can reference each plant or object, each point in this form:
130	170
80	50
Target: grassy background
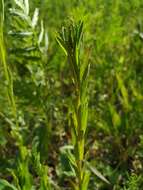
113	43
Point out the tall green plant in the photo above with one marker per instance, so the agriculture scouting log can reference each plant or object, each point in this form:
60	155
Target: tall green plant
22	177
22	165
9	81
28	41
70	40
7	72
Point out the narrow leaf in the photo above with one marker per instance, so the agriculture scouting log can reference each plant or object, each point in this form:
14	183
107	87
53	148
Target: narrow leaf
97	173
35	18
26	2
61	45
41	34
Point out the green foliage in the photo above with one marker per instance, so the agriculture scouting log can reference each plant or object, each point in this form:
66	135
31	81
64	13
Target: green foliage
21	174
133	182
4	184
70	41
59	126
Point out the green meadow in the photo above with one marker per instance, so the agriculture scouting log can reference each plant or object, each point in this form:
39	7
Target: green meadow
71	95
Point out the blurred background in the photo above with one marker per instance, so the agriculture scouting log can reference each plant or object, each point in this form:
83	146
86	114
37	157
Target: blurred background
113	43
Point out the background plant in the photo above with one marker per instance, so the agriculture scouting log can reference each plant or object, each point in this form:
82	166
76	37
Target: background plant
20	172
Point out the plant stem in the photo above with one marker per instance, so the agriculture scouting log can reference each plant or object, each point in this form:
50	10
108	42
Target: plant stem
70	40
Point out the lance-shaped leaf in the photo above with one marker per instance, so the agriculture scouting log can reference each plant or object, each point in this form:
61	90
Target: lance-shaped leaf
26	8
35	18
97	173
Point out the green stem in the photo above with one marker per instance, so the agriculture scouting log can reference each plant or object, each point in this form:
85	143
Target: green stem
70	41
